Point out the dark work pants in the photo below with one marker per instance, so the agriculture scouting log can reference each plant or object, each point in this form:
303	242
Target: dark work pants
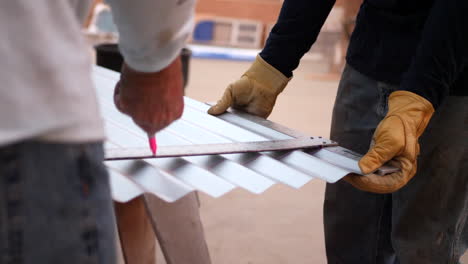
55	205
425	221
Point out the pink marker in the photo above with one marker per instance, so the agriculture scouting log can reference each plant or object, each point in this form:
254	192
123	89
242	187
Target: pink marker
153	144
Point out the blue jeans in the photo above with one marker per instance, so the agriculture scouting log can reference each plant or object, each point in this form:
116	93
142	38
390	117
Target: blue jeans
425	221
55	204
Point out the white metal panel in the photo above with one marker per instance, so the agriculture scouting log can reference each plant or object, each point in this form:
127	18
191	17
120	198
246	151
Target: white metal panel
172	178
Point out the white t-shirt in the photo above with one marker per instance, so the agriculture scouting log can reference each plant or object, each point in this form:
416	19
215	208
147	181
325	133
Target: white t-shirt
46	91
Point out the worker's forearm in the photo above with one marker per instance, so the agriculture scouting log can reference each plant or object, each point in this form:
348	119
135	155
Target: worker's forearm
297	28
152	32
442	53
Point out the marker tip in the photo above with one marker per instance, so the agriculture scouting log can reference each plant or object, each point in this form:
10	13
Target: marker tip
153	145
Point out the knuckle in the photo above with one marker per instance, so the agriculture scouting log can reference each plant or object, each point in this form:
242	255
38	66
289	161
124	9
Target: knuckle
179	109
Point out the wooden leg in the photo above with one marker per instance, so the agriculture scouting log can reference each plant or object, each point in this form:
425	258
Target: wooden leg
136	233
179	229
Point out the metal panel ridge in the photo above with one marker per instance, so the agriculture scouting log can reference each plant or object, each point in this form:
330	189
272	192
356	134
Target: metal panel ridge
172	178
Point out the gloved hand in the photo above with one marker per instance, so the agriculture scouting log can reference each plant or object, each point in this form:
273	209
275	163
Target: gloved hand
255	92
395	139
153	100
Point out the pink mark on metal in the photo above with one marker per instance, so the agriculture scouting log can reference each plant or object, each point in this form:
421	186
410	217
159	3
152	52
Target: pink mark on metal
153	144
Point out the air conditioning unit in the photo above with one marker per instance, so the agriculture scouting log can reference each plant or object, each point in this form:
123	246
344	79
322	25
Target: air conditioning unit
222	31
247	34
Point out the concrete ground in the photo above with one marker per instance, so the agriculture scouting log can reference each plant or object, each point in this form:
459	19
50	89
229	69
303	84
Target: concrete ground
282	225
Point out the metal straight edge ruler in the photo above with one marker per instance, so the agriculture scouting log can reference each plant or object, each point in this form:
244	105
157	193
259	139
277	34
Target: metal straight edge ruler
215	149
238	147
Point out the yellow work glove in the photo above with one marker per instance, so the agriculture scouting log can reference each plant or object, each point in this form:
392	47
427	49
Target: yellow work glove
395	140
255	92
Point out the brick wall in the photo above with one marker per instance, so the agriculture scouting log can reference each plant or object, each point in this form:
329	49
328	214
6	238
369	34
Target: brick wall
265	11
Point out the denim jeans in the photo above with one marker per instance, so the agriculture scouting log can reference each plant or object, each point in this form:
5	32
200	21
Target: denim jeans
425	221
55	205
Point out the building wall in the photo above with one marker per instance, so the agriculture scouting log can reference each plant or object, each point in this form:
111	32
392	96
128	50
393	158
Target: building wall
328	48
265	11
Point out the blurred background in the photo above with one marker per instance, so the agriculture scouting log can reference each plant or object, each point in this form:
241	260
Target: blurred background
282	225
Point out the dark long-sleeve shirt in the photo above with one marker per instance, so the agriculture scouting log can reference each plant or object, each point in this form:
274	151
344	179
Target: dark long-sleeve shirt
421	45
440	65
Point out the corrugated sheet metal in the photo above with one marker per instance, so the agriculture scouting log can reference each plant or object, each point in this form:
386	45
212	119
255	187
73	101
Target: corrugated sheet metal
172	178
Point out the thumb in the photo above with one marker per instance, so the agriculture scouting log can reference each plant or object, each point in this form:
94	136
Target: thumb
118	98
223	104
389	141
376	183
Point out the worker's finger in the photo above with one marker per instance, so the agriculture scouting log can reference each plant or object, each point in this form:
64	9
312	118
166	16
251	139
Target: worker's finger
261	106
154	120
153	123
376	183
256	110
389	142
117	98
223	104
151	129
